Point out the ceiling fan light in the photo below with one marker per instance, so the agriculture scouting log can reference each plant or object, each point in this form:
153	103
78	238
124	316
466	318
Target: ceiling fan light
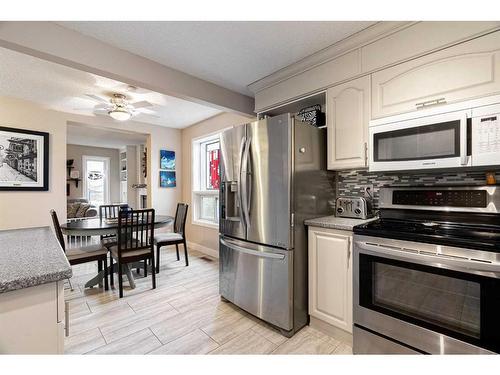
120	114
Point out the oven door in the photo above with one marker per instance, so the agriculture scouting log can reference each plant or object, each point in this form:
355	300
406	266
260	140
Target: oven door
438	141
434	306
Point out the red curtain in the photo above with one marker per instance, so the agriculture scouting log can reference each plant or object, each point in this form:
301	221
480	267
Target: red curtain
214	169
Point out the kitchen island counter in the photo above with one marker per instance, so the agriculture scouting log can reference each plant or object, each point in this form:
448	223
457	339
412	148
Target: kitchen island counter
31	257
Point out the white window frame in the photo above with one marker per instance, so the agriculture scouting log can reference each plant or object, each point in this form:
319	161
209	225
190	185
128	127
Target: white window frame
199	179
107	182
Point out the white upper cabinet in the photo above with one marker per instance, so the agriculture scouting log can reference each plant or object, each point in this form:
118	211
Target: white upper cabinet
347	116
458	73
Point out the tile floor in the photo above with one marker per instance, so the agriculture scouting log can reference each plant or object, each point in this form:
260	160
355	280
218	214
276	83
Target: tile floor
184	315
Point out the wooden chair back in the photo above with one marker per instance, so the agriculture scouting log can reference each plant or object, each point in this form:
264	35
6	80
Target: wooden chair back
135	230
180	218
57	229
111	211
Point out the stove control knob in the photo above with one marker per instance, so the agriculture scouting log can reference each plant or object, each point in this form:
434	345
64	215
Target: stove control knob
340	210
357	211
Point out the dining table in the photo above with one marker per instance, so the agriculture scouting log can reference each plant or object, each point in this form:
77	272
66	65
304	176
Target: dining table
101	227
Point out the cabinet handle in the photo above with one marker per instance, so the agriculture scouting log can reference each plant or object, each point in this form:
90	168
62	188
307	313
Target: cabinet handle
430	103
348	251
66	318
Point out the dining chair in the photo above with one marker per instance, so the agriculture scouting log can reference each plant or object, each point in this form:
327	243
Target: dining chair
134	241
83	254
178	236
110	211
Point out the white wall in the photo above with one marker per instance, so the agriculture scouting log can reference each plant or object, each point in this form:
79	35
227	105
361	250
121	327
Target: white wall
22	209
30	209
204	237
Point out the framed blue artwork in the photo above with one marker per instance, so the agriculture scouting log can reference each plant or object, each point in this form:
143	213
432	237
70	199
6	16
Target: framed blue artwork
167	179
167	160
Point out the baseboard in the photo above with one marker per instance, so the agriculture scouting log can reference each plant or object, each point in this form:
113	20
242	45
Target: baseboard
203	249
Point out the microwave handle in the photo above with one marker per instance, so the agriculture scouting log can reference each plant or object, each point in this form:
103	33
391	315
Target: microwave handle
464	159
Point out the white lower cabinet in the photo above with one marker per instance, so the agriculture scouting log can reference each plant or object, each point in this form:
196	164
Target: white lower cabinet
32	320
330	277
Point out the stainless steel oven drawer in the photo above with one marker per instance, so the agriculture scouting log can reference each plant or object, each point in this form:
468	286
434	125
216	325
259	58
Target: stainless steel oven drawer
365	342
258	279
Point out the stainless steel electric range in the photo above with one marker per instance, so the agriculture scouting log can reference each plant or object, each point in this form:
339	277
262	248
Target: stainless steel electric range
427	273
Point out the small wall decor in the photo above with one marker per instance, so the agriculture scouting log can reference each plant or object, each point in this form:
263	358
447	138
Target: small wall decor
167	179
24	160
312	115
167	160
74	174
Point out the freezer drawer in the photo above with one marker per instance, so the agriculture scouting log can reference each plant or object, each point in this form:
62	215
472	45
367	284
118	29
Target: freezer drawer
258	279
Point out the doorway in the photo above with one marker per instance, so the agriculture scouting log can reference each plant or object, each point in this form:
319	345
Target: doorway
96	179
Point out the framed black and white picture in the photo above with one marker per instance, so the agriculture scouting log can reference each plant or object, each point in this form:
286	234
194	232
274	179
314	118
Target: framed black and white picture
24	160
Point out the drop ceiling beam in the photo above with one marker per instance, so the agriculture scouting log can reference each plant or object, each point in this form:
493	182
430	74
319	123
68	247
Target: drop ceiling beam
55	43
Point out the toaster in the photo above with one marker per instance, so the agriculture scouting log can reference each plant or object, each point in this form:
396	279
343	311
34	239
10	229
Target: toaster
354	207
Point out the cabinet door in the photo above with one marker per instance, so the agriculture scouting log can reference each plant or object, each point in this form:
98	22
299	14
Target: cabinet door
465	71
348	113
330	277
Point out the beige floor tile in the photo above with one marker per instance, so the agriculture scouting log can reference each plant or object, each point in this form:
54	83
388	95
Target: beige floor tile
269	333
78	308
306	343
83	342
141	342
100	318
321	335
228	326
183	323
343	349
184	314
121	328
195	342
184	303
249	342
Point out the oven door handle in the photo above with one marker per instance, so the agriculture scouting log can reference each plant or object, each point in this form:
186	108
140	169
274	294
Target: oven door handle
436	260
464	159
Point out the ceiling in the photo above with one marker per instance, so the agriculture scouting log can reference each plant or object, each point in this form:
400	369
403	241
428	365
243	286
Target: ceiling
230	54
63	89
85	135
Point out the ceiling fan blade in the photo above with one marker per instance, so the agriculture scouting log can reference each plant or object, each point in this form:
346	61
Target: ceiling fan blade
141	104
97	98
101	112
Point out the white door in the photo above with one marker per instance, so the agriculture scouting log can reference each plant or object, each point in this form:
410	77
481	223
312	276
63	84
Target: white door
330	277
348	113
96	179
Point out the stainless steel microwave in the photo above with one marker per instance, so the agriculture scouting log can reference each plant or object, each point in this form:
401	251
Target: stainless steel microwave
453	136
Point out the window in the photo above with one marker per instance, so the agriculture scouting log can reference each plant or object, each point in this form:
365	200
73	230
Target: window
206	180
96	179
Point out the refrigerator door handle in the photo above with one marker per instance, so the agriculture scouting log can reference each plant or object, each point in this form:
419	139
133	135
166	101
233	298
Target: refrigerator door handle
256	253
245	193
240	183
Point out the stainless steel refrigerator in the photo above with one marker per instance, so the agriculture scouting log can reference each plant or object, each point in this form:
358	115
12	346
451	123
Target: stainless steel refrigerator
273	177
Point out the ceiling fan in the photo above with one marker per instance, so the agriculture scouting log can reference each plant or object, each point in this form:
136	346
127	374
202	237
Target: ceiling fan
119	107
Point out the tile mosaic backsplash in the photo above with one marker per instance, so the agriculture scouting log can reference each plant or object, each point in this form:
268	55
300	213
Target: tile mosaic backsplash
350	183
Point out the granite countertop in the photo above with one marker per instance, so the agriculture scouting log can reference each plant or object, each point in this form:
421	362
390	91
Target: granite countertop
30	257
333	222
